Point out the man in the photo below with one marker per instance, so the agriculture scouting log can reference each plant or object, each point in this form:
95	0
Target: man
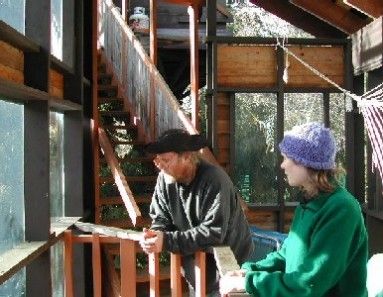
194	207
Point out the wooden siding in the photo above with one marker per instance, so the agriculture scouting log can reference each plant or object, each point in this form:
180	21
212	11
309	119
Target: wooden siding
56	84
267	219
246	66
240	66
11	63
223	130
327	60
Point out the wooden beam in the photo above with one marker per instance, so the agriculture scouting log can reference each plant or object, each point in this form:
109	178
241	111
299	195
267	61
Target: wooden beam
20	256
299	18
153	31
337	16
372	8
194	64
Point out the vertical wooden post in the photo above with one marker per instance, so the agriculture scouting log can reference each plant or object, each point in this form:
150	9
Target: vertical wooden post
95	122
128	268
193	11
96	262
153	31
154	274
175	275
68	263
200	274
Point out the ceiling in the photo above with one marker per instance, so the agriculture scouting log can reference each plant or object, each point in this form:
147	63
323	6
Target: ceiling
325	18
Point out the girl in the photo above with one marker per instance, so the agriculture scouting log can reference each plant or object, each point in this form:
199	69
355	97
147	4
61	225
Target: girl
325	253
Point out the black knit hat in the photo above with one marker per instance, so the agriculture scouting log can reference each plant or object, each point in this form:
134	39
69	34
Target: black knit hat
176	140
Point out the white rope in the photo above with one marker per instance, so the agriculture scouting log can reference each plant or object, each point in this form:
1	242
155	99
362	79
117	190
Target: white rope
317	72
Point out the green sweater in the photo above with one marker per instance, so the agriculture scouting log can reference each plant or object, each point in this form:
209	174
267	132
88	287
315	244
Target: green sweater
325	253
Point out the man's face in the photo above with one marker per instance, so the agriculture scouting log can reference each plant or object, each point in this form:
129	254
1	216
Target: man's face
171	164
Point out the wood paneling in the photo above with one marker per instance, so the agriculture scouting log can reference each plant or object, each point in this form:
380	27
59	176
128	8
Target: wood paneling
246	66
262	219
327	60
373	8
11	63
56	84
337	16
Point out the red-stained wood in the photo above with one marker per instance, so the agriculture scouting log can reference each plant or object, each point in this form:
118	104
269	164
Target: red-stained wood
338	16
153	31
68	263
128	268
96	264
200	274
154	274
119	178
175	278
194	64
373	8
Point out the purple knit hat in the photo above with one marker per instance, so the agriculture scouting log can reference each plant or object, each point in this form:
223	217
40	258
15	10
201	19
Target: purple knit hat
311	145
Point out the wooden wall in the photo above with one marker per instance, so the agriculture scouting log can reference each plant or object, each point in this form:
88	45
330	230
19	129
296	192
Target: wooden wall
267	218
251	66
12	69
56	84
11	63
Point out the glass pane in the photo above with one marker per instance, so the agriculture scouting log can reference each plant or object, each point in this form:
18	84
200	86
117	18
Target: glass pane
12	218
255	156
12	12
301	108
57	269
56	174
57	28
337	124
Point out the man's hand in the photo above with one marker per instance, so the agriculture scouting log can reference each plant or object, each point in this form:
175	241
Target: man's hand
233	281
152	241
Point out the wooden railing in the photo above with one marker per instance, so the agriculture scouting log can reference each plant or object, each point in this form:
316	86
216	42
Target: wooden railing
119	177
128	241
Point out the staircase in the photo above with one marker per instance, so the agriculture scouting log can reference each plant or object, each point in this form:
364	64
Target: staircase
140	174
137	167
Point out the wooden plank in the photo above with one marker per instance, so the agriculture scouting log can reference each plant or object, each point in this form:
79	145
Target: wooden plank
128	268
372	8
120	180
11	56
56	84
16	39
20	256
60	224
200	274
154	274
15	91
11	74
175	278
225	259
246	66
327	60
96	266
68	263
338	16
109	231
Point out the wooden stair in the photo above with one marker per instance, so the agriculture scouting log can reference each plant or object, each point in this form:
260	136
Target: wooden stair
137	167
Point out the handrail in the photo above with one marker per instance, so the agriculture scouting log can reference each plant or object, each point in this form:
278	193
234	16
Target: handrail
143	87
128	240
119	177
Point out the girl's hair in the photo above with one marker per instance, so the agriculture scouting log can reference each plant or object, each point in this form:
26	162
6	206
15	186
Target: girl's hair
326	180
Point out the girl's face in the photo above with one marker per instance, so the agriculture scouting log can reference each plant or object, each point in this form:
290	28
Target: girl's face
297	175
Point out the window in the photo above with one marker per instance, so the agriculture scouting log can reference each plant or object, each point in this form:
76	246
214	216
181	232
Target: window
62	37
255	155
12	12
12	219
57	202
